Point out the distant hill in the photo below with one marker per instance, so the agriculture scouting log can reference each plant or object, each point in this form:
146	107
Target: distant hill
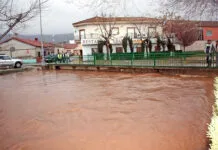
57	38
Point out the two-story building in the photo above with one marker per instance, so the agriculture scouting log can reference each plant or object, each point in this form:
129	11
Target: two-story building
88	32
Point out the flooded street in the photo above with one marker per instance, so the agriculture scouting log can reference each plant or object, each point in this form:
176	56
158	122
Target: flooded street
104	111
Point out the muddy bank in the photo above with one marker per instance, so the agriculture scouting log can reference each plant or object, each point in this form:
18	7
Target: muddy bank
9	71
204	71
94	111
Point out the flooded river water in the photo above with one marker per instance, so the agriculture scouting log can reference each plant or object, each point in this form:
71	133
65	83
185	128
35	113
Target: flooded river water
104	111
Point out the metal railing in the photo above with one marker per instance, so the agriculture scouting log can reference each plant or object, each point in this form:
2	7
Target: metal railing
154	59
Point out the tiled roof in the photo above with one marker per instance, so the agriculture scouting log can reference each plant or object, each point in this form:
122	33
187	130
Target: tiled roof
208	23
137	19
115	19
198	23
70	46
35	43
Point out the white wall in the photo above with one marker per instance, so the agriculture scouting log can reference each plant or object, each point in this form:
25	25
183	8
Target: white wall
197	46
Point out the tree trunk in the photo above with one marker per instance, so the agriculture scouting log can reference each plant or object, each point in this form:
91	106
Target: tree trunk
108	52
11	27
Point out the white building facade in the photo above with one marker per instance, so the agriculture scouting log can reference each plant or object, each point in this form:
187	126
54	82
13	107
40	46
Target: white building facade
89	32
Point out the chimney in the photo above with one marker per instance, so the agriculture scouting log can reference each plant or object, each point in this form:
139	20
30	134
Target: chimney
36	39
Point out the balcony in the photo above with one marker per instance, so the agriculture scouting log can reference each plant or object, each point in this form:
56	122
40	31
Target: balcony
87	36
95	37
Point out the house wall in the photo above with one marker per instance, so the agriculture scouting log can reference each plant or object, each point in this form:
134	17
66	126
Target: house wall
21	49
214	31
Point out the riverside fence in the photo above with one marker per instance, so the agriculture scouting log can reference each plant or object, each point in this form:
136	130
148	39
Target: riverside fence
154	59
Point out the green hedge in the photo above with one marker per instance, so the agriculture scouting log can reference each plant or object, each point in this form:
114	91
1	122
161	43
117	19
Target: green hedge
152	55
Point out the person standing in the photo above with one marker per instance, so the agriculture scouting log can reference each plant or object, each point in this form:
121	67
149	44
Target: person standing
59	57
67	57
63	57
209	50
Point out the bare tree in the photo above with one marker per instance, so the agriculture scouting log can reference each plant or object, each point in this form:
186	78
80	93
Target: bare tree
106	26
11	16
175	27
142	27
186	32
116	7
197	8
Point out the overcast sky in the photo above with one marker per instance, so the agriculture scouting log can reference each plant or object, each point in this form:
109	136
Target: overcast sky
60	15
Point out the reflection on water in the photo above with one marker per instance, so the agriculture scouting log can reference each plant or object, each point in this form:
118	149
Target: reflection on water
103	111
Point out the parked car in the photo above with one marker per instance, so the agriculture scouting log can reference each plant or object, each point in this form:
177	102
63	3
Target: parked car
50	58
6	60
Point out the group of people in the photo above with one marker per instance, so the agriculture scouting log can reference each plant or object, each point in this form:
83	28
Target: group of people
211	51
63	57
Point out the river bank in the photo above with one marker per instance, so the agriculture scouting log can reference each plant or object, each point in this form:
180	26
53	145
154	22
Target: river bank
210	72
15	70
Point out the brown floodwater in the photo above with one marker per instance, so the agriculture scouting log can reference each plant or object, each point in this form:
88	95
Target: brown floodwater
104	111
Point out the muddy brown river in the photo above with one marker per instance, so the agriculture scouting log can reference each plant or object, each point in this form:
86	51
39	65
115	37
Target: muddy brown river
104	111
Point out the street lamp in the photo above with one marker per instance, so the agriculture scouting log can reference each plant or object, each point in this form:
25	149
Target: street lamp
42	48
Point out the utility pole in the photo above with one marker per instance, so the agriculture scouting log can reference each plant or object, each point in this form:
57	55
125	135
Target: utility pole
42	48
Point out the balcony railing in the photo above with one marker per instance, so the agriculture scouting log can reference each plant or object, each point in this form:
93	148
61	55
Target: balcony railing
98	36
87	36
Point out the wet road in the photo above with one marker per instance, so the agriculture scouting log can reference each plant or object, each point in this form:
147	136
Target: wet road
103	111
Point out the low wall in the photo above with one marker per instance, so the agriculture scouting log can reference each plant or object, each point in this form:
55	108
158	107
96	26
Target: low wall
129	69
29	61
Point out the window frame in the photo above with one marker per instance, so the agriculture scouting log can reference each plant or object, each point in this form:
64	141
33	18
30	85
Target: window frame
133	29
118	31
155	30
210	34
80	35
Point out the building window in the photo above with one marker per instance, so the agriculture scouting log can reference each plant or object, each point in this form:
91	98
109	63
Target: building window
209	33
115	31
151	31
119	50
94	50
131	32
82	34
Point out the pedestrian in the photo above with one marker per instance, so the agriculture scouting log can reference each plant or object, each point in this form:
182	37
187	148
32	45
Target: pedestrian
209	50
59	57
67	57
63	57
